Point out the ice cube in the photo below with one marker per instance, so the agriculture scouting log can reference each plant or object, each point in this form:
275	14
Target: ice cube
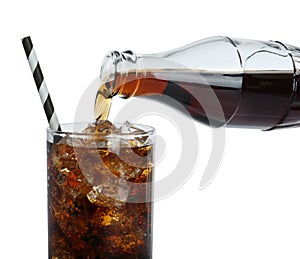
105	127
101	127
75	141
127	165
140	139
110	193
125	128
128	128
98	132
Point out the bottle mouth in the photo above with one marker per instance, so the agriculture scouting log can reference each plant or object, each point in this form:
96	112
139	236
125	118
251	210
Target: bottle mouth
109	70
115	67
115	64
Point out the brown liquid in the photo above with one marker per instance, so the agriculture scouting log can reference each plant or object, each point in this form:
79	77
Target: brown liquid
102	105
237	100
84	222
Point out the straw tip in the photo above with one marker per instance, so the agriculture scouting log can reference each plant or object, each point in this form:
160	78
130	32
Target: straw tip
26	38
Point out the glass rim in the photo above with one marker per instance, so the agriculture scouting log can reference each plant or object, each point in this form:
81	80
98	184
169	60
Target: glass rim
146	130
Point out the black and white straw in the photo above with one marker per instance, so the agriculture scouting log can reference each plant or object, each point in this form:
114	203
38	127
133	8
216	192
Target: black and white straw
40	84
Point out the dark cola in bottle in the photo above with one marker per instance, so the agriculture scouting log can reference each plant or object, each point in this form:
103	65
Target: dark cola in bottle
218	81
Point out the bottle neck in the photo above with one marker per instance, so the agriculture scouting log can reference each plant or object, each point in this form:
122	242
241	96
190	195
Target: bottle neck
122	73
120	69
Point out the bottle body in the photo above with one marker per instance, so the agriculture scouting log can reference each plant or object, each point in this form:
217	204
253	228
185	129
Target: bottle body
219	81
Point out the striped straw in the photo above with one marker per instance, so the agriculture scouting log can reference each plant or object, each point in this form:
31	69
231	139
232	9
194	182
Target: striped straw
40	84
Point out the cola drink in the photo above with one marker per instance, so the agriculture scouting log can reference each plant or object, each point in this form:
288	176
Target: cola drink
100	191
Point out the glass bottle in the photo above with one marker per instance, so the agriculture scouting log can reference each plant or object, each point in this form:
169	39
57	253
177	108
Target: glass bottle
219	81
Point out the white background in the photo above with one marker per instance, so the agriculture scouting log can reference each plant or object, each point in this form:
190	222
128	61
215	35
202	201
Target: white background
251	209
